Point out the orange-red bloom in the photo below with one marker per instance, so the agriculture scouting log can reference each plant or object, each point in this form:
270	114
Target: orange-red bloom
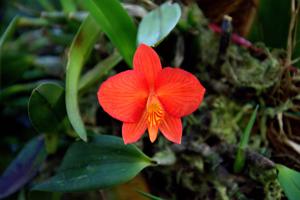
149	97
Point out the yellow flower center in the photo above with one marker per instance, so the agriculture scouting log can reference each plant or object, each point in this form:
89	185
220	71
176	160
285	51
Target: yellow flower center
155	115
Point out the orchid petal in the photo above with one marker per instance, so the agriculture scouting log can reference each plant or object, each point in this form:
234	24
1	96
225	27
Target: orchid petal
124	96
171	128
179	91
131	132
147	61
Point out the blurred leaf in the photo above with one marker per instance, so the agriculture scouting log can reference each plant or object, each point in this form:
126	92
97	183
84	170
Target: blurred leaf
157	24
240	157
165	157
289	180
68	5
13	66
80	49
94	75
47	5
15	89
104	162
23	168
116	24
46	107
271	25
296	52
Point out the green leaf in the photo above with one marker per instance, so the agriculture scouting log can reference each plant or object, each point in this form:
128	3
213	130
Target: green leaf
46	107
240	157
80	49
157	24
116	24
289	180
104	162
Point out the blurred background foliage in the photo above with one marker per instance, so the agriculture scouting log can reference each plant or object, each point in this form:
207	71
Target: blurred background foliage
37	133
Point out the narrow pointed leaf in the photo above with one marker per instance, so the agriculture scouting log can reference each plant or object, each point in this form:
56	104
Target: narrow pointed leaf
23	168
240	157
104	162
80	49
157	24
289	180
117	25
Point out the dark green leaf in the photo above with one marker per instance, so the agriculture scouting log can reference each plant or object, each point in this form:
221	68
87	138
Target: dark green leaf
116	24
104	162
80	49
46	107
157	24
289	180
23	168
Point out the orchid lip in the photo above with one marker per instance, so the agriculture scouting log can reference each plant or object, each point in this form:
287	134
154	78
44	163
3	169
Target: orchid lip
155	115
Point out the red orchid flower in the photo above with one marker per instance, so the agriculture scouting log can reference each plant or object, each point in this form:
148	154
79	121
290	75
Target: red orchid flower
149	97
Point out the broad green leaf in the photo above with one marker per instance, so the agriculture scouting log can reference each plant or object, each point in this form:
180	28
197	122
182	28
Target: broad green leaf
289	180
116	24
157	24
104	162
94	75
23	168
80	49
240	157
46	107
